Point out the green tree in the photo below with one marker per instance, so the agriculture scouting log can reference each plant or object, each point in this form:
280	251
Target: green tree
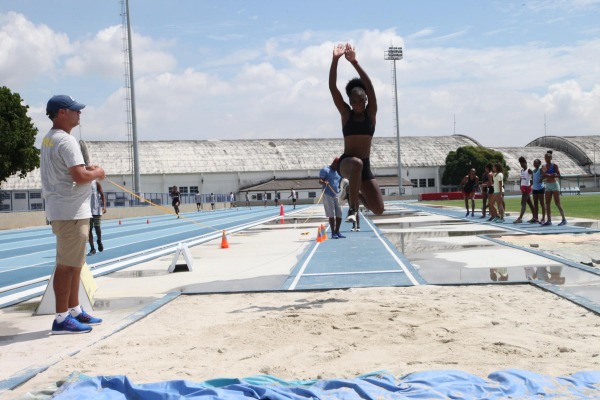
17	151
459	162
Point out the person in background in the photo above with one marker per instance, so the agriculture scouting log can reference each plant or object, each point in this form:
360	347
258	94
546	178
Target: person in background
496	201
468	185
294	196
526	188
247	196
66	190
265	199
538	193
98	207
231	200
484	186
198	198
212	201
550	174
175	202
329	178
358	120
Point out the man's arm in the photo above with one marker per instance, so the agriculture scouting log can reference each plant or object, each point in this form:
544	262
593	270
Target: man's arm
86	174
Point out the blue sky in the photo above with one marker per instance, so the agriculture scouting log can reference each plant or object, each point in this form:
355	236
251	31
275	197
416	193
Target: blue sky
501	72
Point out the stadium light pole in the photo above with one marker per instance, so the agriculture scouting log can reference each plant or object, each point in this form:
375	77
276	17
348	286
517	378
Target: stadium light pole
394	53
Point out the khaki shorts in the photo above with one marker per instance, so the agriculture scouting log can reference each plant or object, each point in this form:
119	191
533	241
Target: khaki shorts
332	206
71	239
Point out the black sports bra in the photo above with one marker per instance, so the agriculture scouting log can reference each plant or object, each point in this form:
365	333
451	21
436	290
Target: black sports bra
364	127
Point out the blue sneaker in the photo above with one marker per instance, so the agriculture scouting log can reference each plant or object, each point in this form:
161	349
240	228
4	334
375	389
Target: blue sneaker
340	236
334	236
563	222
87	319
69	326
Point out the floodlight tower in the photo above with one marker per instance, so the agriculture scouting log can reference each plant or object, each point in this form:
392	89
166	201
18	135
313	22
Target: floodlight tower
130	93
394	53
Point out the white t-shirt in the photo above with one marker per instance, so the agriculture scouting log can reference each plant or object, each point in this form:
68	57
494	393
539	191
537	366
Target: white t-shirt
525	177
65	199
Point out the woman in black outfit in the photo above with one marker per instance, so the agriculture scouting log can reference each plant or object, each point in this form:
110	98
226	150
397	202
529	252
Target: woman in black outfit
358	126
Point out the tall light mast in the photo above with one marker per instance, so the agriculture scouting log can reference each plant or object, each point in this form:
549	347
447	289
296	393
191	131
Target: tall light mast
130	95
395	53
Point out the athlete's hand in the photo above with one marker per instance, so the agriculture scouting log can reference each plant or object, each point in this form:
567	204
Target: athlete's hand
339	50
350	53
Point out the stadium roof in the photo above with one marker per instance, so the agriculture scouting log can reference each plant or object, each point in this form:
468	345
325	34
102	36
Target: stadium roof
229	156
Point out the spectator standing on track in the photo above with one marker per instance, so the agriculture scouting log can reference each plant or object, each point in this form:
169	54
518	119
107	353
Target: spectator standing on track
468	185
98	207
329	178
526	188
496	201
212	201
538	193
294	196
175	202
485	187
247	199
66	189
550	173
231	200
198	198
265	198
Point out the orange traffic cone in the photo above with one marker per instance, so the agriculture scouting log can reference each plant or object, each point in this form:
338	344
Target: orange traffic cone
319	237
282	220
281	212
224	243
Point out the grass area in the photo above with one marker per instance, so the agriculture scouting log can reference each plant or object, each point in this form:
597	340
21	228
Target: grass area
584	206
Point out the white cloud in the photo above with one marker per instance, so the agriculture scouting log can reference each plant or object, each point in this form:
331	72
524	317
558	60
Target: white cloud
103	55
28	50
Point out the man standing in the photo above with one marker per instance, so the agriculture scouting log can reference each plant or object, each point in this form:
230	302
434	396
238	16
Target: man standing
294	196
231	200
198	198
330	179
66	189
98	207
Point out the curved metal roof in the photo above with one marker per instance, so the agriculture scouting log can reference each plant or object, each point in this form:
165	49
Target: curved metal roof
229	156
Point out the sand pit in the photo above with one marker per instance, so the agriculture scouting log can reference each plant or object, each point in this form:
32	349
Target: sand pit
345	333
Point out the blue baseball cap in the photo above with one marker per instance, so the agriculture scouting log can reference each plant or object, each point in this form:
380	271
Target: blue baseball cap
62	101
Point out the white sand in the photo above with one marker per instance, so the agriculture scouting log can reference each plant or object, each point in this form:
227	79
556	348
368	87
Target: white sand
345	333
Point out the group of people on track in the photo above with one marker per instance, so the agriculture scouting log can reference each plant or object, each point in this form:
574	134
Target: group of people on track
539	188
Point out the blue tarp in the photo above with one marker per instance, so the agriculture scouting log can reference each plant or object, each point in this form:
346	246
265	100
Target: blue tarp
511	383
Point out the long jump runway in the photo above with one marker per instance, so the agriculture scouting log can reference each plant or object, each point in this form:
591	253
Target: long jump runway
362	259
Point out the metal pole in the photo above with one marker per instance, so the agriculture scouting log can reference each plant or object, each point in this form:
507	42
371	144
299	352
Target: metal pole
400	186
395	53
595	174
136	159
